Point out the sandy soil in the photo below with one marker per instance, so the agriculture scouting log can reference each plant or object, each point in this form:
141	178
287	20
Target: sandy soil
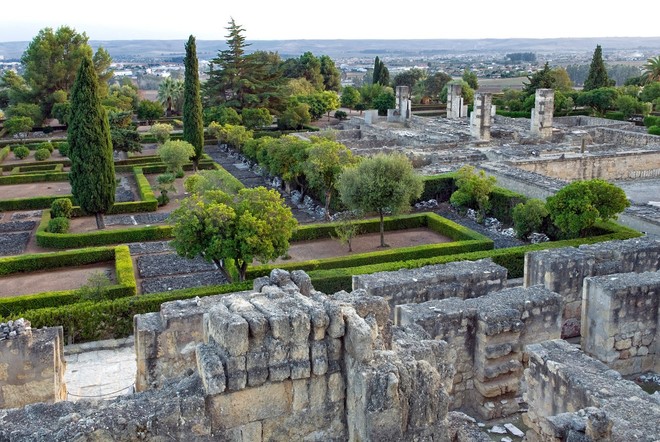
12	160
50	280
370	242
30	190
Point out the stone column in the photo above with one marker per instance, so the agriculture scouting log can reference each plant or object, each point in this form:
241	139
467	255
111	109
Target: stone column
544	105
403	102
454	101
481	117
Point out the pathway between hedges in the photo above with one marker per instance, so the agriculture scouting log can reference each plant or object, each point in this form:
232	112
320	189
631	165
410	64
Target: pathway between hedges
251	179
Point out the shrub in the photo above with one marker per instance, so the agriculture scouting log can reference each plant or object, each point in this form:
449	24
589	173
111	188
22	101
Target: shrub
651	120
61	208
63	148
149	110
21	152
654	130
341	115
473	189
212	179
42	154
96	289
46	145
528	217
161	132
19	125
58	225
175	154
4	152
256	117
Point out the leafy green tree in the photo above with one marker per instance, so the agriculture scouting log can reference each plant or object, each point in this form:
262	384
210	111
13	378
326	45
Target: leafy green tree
528	217
26	110
221	115
435	83
170	94
13	89
409	78
383	102
381	183
234	135
254	224
562	81
124	97
600	100
597	77
543	79
310	69
193	125
325	162
375	79
176	153
470	78
18	125
149	110
92	174
295	116
102	62
473	189
652	70
369	92
297	86
650	93
256	118
350	97
629	106
161	132
577	206
330	73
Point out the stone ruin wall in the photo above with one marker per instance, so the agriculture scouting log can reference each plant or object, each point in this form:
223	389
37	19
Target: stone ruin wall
613	166
626	138
486	337
573	397
563	270
32	368
465	279
620	321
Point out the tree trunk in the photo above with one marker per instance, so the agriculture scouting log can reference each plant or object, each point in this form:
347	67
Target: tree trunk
382	229
328	195
100	222
223	270
242	269
195	163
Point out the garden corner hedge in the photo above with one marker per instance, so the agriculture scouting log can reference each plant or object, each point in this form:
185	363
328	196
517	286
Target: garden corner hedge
125	285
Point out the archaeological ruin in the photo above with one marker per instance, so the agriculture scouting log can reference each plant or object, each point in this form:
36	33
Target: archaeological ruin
437	353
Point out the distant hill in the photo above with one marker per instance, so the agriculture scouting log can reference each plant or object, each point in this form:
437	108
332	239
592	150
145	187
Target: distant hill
206	49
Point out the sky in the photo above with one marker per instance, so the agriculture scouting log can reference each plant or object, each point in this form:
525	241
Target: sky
353	19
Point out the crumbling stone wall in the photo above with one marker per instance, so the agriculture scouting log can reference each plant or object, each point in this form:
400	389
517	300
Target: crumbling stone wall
586	121
544	108
563	270
609	166
573	397
625	138
32	368
620	321
486	336
465	279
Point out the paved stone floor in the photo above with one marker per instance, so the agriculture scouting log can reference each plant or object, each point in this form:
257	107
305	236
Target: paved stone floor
99	370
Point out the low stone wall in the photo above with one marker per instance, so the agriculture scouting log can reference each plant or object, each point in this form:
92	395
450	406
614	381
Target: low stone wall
573	397
586	121
487	336
563	270
32	368
625	138
620	321
465	279
530	184
611	166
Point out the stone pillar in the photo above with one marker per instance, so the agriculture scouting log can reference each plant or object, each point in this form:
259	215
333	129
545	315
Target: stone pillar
403	102
481	117
370	116
454	101
544	105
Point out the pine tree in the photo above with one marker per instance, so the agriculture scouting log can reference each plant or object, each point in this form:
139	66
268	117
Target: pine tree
92	174
597	76
193	125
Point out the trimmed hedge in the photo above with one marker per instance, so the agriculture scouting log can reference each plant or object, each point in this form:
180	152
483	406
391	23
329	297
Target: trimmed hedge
90	321
502	202
65	162
53	260
126	284
35	203
50	177
144	188
100	237
53	167
4	152
438	187
330	281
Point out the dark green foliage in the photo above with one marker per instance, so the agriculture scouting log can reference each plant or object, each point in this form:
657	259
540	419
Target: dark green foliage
600	100
654	130
438	187
383	102
222	115
597	77
502	202
4	153
63	148
528	217
62	111
92	174
21	152
46	145
651	120
18	125
577	206
96	289
543	79
58	225
42	154
125	139
193	125
470	78
294	117
473	189
149	110
381	74
256	118
330	73
32	111
61	208
340	115
350	97
651	92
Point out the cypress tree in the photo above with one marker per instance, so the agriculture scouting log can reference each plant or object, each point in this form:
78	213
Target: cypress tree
193	125
597	76
377	70
92	174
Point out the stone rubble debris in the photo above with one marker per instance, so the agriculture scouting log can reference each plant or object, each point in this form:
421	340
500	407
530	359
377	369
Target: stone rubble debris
12	329
514	430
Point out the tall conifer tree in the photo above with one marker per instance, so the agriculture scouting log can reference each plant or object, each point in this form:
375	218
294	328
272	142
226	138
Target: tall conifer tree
597	76
377	68
92	174
193	125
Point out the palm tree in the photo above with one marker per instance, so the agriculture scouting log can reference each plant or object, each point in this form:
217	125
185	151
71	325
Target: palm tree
652	70
170	93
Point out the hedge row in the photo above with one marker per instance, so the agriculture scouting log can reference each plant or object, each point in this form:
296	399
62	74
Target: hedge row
54	167
438	187
50	177
99	237
90	321
513	259
144	188
4	152
125	286
64	162
465	239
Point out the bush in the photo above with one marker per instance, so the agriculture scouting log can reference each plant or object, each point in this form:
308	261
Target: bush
256	117
341	115
175	154
473	190
63	148
61	208
212	179
58	225
96	289
42	154
4	152
651	120
149	110
528	217
46	145
161	132
654	130
21	152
